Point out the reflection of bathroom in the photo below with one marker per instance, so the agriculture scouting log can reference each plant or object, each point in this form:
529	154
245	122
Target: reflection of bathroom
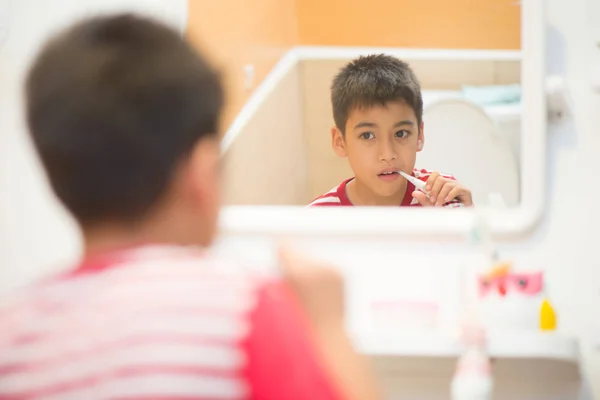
472	115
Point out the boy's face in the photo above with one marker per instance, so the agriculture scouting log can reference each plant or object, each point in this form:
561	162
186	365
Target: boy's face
379	140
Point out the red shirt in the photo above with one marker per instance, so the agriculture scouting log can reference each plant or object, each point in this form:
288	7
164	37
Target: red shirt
338	196
158	323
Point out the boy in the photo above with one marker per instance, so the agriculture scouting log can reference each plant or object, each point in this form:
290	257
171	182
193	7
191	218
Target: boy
378	111
123	114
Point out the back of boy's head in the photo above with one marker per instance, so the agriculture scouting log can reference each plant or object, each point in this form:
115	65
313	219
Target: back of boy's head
114	105
371	81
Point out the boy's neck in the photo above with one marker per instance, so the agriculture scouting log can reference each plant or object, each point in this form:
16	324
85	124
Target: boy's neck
361	195
110	237
101	240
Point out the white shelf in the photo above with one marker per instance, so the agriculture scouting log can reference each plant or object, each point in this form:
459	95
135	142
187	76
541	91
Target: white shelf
422	344
505	344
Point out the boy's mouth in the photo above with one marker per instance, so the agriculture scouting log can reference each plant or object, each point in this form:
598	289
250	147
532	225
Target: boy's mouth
389	176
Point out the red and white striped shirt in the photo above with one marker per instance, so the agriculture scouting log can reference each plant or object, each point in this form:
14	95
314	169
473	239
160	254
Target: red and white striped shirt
157	322
338	196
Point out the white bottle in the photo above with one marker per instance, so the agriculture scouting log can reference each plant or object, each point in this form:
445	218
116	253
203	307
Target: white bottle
473	377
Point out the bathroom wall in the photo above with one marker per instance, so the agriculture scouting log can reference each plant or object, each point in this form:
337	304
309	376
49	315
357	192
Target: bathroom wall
565	241
242	32
267	163
466	24
325	168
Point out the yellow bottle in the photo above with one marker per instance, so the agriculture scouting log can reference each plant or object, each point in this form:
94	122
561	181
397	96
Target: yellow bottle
547	317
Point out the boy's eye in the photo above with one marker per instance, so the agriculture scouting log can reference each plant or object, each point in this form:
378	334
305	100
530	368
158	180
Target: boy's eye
402	134
367	135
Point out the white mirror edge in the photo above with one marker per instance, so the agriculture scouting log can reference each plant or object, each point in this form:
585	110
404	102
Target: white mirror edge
503	223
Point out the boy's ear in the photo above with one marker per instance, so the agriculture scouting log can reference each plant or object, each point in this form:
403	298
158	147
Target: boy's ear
204	174
338	142
421	138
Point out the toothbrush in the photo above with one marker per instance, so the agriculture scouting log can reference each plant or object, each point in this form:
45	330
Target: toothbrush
419	184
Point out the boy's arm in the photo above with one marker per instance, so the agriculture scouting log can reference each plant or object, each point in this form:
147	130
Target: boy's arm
319	290
307	313
282	360
290	357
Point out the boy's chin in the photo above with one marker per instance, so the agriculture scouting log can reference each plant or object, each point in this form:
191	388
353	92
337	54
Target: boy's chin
389	192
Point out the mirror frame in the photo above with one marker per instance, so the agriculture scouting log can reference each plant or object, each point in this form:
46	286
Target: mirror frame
502	223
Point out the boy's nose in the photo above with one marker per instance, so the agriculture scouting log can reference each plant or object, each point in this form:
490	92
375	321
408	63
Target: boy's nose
387	153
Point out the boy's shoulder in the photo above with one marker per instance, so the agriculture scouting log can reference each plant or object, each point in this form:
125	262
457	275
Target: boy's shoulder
170	301
163	313
335	197
153	275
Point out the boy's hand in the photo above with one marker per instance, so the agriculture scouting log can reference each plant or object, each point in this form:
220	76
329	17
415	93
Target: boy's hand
443	190
320	290
318	287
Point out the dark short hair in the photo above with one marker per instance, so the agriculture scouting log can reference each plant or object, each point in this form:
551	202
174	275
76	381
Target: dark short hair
114	105
374	80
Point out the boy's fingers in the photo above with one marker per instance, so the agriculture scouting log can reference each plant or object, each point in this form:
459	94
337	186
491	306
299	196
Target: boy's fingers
288	260
454	193
445	193
462	193
431	180
296	266
437	186
422	198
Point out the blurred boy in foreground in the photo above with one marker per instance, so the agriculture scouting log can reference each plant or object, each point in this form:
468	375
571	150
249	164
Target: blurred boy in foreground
123	114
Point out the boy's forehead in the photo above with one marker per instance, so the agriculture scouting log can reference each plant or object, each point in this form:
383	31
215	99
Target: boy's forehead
393	109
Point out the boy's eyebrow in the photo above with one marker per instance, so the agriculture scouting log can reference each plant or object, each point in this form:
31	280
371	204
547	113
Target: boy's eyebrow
365	124
405	122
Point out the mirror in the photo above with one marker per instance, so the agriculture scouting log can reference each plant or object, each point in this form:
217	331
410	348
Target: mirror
467	60
471	115
481	84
